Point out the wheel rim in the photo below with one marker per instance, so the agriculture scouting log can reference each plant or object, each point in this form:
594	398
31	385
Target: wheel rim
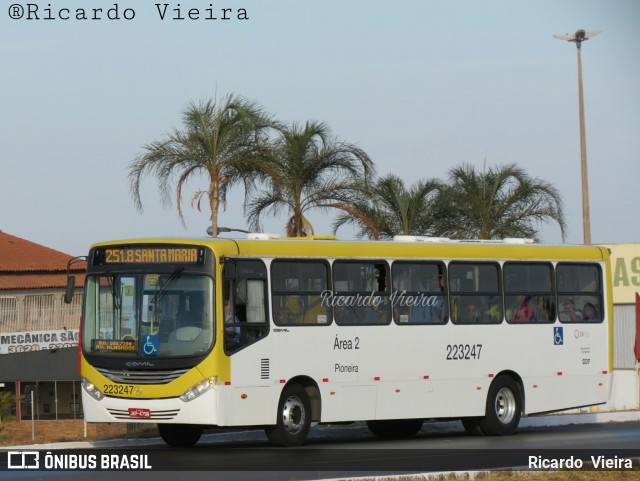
293	415
505	405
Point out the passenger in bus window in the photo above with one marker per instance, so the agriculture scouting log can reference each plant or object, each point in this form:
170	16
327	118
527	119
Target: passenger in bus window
283	316
569	312
428	304
543	309
493	313
426	312
367	315
472	312
454	308
295	305
314	311
590	312
522	310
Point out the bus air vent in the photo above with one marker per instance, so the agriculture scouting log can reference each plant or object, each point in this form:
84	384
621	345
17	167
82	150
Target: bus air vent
264	369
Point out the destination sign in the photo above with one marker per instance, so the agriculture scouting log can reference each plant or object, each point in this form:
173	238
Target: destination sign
114	345
149	255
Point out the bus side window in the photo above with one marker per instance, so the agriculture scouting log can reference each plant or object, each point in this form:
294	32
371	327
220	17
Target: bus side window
297	292
419	291
475	289
361	292
528	291
580	293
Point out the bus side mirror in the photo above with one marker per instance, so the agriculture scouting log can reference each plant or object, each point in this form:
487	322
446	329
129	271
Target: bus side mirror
71	280
71	287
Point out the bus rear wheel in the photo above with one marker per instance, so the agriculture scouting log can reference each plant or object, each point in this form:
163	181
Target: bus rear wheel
293	418
504	407
180	435
395	428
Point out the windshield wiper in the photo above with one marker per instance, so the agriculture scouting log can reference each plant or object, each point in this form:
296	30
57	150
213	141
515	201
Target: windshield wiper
174	275
111	280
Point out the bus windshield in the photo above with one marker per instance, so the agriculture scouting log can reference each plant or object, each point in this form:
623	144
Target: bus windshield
148	314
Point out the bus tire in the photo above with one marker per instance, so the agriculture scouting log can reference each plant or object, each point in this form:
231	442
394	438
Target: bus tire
504	407
395	428
180	435
293	418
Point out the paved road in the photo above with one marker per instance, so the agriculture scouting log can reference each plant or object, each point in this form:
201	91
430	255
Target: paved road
351	451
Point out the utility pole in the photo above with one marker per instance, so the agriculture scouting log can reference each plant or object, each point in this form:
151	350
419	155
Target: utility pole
579	37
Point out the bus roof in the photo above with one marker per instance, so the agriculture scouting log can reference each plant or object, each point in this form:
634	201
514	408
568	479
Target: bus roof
326	246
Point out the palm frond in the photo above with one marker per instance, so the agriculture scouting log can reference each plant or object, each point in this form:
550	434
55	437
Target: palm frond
220	139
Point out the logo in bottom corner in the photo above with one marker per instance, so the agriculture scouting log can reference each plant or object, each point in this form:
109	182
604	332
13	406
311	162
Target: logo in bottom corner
23	460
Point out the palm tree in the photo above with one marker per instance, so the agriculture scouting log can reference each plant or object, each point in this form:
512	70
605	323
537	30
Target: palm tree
498	203
387	208
308	170
223	141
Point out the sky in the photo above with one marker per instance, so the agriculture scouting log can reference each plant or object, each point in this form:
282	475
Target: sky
422	86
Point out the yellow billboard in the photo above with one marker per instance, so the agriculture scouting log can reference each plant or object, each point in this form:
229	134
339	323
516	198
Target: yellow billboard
625	272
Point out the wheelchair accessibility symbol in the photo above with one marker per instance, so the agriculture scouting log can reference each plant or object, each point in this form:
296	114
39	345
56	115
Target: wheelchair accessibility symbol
558	336
150	345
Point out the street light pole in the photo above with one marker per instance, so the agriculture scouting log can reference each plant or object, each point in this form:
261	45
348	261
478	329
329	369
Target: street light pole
579	37
225	229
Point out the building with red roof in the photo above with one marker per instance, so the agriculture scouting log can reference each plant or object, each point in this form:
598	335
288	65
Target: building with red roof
38	330
27	265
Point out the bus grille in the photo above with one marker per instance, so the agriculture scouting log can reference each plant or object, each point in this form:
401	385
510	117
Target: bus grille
141	377
155	414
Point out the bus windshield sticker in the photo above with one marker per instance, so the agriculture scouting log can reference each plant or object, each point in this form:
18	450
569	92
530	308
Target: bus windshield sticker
150	344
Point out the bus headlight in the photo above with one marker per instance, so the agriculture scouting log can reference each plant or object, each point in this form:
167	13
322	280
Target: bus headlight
92	390
199	389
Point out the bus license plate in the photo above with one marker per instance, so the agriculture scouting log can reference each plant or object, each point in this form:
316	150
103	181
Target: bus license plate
139	413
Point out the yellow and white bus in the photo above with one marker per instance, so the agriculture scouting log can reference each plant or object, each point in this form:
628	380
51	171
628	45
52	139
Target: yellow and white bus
286	333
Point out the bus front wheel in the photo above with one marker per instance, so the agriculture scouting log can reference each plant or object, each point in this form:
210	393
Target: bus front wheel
180	435
504	407
294	418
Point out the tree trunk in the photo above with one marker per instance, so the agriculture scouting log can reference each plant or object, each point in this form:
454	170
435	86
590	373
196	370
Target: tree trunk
214	202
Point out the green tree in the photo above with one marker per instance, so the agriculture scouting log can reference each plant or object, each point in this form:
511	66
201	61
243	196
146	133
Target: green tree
222	141
388	207
7	401
498	203
309	170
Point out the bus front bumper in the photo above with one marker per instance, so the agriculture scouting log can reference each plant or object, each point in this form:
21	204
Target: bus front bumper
202	410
